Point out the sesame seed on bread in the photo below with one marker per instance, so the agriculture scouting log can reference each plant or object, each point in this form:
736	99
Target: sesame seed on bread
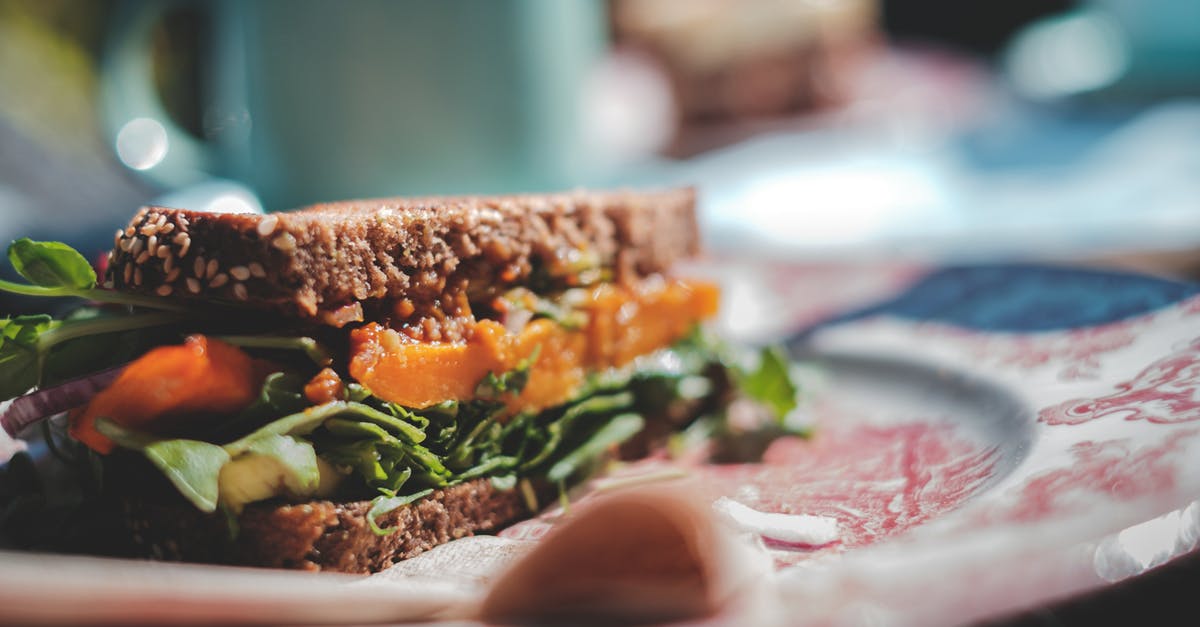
321	258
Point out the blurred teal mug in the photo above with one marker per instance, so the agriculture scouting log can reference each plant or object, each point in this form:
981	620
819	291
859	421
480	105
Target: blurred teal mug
307	100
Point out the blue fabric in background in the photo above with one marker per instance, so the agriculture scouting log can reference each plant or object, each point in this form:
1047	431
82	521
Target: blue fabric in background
1015	297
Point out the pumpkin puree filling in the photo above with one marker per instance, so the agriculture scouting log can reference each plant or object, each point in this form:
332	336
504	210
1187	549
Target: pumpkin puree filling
622	323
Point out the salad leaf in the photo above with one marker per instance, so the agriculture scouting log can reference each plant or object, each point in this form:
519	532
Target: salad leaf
362	458
770	383
583	411
192	466
385	504
494	386
504	483
80	356
26	343
618	430
403	430
487	467
356	429
282	393
20	355
598	404
57	270
304	422
51	264
356	392
307	345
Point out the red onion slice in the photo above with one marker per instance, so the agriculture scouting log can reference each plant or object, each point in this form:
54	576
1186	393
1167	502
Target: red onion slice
26	410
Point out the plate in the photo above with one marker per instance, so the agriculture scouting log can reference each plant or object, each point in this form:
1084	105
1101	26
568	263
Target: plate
988	438
997	436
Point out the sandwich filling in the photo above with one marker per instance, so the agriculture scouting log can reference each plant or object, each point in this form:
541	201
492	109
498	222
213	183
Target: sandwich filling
530	387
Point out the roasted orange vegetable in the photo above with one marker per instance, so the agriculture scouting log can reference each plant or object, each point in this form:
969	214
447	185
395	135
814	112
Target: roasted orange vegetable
622	324
419	374
325	387
200	376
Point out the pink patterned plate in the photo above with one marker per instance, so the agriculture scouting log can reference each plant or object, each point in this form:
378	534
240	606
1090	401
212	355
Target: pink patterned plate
989	439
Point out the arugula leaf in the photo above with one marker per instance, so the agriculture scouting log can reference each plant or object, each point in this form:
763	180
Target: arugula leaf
76	357
307	345
385	504
362	457
357	392
20	356
618	430
494	386
770	383
463	448
554	433
402	429
57	270
356	429
487	467
24	330
51	264
504	483
583	411
598	404
299	423
27	341
282	393
379	456
192	466
423	456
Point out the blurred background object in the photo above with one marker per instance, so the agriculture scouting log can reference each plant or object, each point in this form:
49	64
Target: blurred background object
741	62
305	100
927	130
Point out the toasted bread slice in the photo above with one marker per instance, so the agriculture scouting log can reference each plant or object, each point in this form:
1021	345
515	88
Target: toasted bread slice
322	258
323	535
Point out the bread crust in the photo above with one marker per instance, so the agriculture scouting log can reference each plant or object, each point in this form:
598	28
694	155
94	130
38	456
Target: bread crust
322	535
321	258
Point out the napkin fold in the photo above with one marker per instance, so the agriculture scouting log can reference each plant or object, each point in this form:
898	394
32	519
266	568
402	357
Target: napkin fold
639	555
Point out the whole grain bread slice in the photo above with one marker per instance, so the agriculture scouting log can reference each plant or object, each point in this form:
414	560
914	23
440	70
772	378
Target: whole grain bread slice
319	259
323	535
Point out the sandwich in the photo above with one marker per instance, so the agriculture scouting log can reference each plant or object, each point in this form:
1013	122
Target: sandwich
347	385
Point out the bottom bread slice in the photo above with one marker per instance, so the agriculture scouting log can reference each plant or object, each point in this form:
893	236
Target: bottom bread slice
323	535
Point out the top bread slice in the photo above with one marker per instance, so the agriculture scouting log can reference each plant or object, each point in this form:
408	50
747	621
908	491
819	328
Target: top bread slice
316	260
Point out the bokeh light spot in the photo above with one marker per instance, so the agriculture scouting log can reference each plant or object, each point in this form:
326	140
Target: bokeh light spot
142	143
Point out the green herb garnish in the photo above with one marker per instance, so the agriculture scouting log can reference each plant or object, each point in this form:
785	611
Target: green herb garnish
769	382
494	386
54	269
307	345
